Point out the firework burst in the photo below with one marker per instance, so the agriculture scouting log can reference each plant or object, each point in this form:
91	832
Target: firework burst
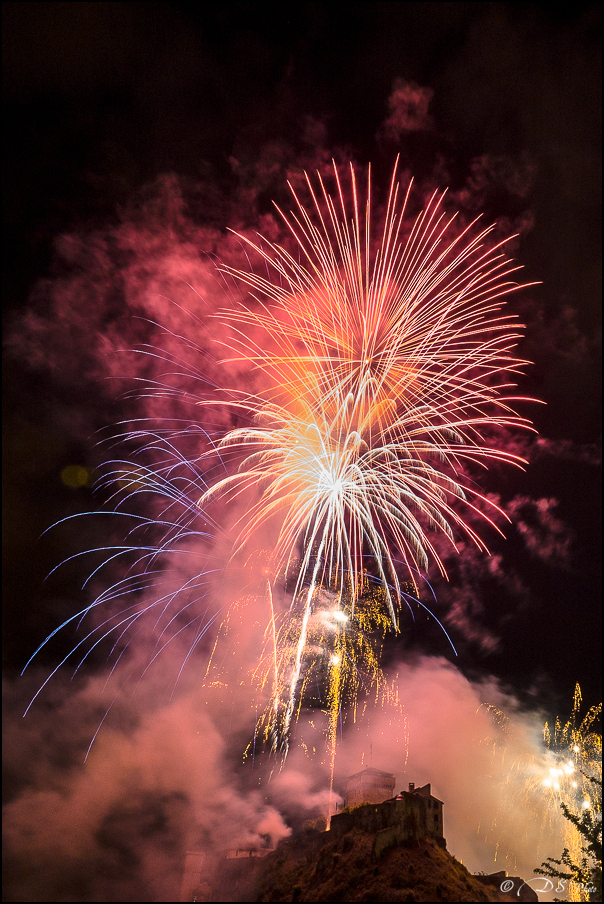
387	364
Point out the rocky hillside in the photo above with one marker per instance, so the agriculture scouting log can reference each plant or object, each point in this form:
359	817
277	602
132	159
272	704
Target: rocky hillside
319	868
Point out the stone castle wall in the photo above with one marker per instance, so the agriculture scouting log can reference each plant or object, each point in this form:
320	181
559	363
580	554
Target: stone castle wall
396	821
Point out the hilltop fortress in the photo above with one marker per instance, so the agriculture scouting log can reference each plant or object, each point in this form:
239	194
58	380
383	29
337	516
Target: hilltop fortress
412	815
380	847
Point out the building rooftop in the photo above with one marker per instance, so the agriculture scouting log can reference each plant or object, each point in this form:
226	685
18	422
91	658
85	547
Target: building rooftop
369	771
424	791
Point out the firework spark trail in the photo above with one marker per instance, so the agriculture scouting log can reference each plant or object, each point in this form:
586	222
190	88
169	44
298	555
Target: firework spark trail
388	364
341	657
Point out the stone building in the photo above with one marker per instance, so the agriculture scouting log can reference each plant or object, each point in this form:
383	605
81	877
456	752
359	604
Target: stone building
410	816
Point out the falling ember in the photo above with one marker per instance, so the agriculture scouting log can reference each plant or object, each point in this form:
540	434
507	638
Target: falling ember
386	360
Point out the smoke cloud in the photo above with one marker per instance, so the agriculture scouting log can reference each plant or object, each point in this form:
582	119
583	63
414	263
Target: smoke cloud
165	776
482	755
408	107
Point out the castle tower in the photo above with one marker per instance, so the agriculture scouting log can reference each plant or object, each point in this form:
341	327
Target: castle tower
371	786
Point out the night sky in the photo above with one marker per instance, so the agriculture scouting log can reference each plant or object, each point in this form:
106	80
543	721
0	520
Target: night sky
135	132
